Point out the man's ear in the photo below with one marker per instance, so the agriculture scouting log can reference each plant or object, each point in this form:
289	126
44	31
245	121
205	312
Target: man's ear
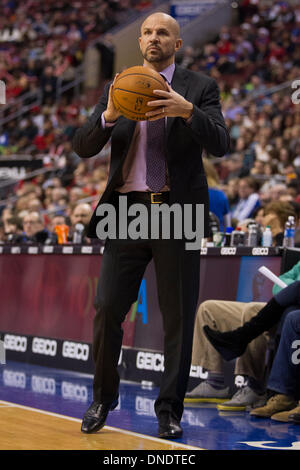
178	44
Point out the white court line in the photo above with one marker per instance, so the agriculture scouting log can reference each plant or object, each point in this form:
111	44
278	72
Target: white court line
110	428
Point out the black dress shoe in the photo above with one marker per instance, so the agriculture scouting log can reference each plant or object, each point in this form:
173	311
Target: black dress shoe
95	417
227	343
169	427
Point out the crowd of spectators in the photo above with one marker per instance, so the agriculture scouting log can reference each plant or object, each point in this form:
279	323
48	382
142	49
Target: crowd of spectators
247	60
255	64
42	42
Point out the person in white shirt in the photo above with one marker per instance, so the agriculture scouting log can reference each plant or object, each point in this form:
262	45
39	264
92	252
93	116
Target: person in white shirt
248	199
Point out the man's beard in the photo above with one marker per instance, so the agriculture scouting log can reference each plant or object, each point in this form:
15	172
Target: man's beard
159	56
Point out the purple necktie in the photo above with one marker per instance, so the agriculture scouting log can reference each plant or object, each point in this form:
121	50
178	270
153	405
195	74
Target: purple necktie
155	155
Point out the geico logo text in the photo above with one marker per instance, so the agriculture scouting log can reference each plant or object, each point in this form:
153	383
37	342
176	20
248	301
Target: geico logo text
260	251
150	361
144	406
75	350
12	378
228	250
74	391
15	343
240	381
48	347
198	372
46	385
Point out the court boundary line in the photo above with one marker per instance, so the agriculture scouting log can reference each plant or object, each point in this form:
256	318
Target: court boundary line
110	428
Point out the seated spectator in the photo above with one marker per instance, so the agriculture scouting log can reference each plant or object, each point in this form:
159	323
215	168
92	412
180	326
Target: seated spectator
258	168
248	199
232	166
13	227
75	194
32	224
262	149
231	190
223	315
258	215
250	350
80	215
6	214
232	344
59	199
218	202
33	230
275	215
57	219
277	191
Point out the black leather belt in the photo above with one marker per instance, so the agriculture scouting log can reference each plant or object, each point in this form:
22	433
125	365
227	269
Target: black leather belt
147	196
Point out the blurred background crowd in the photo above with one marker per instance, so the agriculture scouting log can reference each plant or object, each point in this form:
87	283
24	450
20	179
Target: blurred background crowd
254	61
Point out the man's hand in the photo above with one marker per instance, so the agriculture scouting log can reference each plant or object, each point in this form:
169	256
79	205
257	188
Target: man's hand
171	105
111	114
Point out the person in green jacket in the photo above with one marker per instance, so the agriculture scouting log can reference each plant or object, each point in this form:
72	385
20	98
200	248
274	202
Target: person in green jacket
288	278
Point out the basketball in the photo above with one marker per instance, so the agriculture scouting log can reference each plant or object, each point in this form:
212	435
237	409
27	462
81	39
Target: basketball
133	89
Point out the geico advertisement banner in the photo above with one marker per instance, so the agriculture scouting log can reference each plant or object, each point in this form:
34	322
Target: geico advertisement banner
62	303
48	351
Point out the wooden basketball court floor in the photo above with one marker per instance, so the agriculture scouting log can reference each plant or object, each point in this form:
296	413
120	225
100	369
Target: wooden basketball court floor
26	428
41	409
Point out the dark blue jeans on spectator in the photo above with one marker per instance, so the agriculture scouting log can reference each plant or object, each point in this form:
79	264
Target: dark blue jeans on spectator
285	373
290	299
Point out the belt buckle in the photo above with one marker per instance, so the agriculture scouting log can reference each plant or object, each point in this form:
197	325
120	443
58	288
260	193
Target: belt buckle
152	195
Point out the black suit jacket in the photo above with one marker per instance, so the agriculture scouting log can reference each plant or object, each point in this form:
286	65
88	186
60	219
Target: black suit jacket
184	145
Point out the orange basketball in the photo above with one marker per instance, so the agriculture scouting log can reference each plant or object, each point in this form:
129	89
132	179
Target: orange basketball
133	89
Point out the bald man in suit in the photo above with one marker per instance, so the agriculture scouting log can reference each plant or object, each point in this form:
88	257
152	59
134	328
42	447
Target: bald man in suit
191	120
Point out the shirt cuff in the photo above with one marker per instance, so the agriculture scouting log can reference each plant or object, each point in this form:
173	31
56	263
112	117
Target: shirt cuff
105	124
189	120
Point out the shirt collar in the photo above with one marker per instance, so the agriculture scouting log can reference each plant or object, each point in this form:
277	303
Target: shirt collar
168	73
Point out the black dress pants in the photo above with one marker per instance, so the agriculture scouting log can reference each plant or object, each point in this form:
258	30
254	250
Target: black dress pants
177	275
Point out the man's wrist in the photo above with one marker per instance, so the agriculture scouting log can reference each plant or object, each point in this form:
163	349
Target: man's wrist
108	118
189	112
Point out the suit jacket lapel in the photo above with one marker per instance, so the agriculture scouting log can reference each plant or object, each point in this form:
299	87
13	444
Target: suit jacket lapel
180	83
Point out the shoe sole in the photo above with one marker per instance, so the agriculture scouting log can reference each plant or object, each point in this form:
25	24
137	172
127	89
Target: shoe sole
94	430
292	421
172	436
205	400
231	408
282	420
269	415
